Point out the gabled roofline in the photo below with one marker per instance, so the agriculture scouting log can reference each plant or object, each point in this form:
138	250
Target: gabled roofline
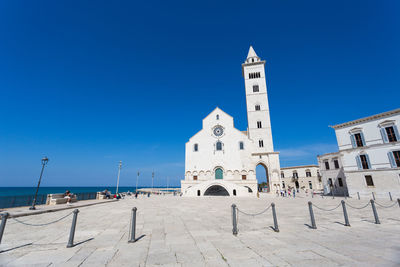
215	110
370	118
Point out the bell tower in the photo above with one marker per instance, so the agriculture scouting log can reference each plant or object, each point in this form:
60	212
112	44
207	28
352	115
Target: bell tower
258	118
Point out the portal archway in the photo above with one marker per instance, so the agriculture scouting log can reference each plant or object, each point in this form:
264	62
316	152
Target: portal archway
262	178
216	190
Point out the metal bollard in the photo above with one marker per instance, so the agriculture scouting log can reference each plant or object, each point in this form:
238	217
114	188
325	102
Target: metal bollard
133	226
375	212
276	228
390	196
358	194
72	232
313	226
373	195
234	222
346	218
4	218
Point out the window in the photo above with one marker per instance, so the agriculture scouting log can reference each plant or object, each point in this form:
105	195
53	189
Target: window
295	174
326	165
364	161
336	162
219	173
244	177
391	134
254	75
258	107
260	143
368	180
394	157
234	192
308	173
217	117
330	182
219	145
198	192
256	88
259	124
283	184
196	147
357	140
282	175
340	181
241	145
310	184
195	177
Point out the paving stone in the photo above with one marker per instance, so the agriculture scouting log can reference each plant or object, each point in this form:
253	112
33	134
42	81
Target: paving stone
175	231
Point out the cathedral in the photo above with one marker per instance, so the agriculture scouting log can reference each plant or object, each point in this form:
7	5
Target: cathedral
220	159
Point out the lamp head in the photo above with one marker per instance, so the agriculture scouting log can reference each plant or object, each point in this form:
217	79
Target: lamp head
45	160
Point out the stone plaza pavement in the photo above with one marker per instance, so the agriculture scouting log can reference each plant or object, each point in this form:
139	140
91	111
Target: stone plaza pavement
176	231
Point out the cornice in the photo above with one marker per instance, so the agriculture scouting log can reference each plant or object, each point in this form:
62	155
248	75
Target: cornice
370	118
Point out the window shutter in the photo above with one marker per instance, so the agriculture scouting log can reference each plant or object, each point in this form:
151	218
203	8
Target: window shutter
384	135
362	138
358	162
391	159
396	132
368	162
353	140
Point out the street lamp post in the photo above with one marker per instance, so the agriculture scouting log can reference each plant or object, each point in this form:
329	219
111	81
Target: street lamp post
44	162
167	183
152	181
119	171
137	179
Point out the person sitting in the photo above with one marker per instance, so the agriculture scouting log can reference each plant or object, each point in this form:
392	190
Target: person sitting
68	196
107	194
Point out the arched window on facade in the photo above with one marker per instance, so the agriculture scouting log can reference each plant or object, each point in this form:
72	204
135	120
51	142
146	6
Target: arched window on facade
217	117
258	107
219	173
196	147
218	146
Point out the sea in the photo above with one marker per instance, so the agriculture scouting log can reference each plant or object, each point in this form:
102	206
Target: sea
23	196
19	191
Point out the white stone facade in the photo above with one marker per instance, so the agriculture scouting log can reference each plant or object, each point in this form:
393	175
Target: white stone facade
369	150
306	178
222	158
332	174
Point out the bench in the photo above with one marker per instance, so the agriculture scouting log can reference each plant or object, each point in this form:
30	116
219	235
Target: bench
54	199
102	195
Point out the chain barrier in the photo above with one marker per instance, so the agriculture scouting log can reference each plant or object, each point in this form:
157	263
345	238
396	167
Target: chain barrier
385	207
358	208
254	214
327	209
42	224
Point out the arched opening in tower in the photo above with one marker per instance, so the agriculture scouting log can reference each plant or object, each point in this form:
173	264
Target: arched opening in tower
262	178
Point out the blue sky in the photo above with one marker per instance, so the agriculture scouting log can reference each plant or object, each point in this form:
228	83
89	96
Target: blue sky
91	83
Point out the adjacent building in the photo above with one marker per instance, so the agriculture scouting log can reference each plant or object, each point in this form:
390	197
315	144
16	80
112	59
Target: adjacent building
368	158
222	160
306	178
332	174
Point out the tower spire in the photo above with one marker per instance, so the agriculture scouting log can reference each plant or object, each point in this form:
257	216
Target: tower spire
251	53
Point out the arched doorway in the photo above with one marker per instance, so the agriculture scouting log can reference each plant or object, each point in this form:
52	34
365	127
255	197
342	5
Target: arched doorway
216	190
262	178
